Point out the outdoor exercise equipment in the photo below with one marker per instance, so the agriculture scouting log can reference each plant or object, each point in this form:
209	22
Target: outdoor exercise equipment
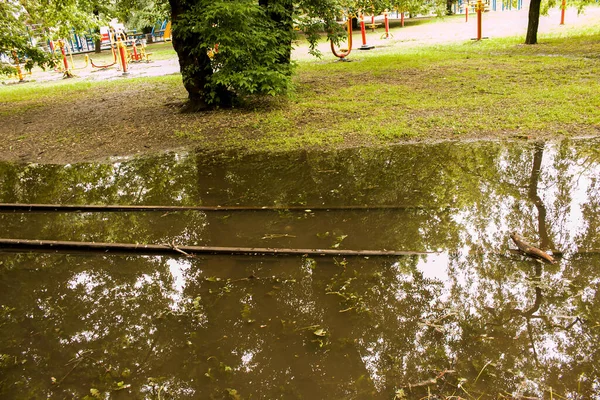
387	34
479	8
122	55
66	54
363	33
18	66
138	54
67	70
343	53
108	35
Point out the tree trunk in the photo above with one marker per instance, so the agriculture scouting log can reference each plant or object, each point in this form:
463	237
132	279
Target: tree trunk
545	241
534	21
98	41
194	63
449	7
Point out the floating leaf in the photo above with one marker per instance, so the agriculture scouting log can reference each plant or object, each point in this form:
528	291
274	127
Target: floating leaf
233	394
95	393
320	332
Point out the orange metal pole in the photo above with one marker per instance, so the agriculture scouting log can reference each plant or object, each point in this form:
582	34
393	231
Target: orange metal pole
136	56
387	25
122	55
467	12
479	11
563	7
362	30
61	44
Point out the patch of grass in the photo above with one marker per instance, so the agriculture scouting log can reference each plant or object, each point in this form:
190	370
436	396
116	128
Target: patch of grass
494	88
74	89
485	89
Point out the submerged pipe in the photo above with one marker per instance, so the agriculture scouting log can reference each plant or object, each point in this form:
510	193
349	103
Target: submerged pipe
113	208
153	249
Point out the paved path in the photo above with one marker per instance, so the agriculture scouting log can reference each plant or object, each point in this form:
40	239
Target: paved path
495	24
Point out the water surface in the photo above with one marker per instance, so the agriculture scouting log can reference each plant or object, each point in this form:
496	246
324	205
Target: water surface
470	319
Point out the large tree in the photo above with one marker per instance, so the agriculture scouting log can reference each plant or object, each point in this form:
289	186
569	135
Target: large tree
14	39
232	47
541	7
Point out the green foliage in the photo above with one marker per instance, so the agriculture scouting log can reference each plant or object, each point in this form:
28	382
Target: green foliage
249	47
14	38
141	14
249	44
26	23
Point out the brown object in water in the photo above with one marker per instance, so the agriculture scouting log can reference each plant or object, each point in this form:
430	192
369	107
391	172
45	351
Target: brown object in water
531	250
134	248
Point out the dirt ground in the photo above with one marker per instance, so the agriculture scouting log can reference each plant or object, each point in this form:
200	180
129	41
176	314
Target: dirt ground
108	123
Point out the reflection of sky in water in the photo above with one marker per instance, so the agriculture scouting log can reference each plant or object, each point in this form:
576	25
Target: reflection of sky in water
178	268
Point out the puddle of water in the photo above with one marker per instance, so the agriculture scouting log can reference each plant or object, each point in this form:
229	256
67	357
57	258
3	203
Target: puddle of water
473	319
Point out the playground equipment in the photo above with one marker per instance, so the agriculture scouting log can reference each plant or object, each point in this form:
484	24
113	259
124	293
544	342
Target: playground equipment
161	30
479	8
18	66
401	18
363	33
563	7
343	53
121	56
107	35
67	67
137	54
387	34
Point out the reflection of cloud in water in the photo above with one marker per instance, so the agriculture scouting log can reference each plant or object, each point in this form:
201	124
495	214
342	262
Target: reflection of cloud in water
371	360
178	268
434	266
247	361
84	279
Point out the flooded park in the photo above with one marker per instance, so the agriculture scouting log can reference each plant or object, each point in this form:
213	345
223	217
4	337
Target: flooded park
458	312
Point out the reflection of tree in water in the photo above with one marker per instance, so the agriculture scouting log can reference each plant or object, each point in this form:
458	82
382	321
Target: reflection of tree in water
498	324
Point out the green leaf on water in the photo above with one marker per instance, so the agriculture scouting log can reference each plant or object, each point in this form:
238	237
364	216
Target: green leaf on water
320	332
233	394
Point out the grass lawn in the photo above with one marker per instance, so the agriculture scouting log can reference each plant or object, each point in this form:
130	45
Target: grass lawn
490	89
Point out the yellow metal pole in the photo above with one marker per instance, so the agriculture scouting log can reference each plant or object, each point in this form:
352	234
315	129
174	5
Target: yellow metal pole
18	66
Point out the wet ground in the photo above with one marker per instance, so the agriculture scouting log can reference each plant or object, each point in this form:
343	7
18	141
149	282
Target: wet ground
471	318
